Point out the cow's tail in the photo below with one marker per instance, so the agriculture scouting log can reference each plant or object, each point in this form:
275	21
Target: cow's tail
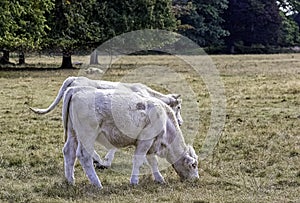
66	109
59	96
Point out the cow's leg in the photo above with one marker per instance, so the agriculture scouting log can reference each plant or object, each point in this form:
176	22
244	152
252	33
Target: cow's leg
109	157
154	167
107	160
69	152
86	160
98	161
141	150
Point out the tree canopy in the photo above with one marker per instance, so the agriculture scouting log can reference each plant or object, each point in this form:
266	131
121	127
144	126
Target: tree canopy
85	25
23	24
252	22
202	20
70	25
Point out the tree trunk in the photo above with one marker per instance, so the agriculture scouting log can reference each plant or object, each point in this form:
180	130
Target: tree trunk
94	58
231	49
67	61
21	58
230	45
5	58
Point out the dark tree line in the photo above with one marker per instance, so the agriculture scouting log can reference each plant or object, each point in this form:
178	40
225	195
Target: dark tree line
252	22
69	25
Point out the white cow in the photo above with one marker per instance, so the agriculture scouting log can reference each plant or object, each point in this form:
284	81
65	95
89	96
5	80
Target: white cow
171	99
118	119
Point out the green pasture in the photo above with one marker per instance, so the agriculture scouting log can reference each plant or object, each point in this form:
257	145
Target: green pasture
257	158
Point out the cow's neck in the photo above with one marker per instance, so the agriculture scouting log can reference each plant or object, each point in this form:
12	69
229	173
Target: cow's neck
176	145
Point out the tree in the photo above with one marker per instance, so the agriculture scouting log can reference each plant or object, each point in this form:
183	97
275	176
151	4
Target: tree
72	28
201	20
252	22
86	24
22	26
289	31
117	17
296	17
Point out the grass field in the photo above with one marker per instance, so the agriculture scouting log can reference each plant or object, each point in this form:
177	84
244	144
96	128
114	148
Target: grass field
257	158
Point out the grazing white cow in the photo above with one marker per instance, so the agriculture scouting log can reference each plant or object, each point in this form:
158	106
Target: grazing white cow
118	119
171	99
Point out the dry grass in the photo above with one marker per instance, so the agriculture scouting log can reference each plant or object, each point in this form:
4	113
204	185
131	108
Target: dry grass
257	158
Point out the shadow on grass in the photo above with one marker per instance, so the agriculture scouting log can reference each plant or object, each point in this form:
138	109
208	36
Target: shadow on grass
15	68
85	190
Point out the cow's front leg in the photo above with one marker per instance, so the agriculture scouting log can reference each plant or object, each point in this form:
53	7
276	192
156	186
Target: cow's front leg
154	167
139	156
86	160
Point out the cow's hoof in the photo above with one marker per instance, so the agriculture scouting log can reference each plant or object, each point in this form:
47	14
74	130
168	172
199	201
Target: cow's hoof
70	182
162	182
158	178
99	187
99	166
97	184
133	183
134	180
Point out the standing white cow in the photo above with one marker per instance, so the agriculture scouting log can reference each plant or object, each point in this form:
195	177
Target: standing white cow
171	99
118	119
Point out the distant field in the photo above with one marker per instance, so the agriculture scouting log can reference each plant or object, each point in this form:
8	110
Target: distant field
257	158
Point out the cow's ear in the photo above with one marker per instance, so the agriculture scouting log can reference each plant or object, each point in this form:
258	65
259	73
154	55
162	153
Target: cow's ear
176	96
173	102
189	160
168	99
172	99
192	152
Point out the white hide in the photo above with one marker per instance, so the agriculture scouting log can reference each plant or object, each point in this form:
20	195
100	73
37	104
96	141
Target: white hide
171	99
117	119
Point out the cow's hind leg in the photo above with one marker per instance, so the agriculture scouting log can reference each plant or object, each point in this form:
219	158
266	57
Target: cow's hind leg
69	152
86	160
107	160
109	157
99	164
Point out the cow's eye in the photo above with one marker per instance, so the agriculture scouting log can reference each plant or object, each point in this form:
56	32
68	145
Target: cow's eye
194	165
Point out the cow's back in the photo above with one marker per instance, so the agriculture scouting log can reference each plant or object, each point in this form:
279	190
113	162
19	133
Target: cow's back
116	117
125	112
99	84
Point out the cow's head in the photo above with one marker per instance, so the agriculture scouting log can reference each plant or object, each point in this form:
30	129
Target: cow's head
187	166
174	102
